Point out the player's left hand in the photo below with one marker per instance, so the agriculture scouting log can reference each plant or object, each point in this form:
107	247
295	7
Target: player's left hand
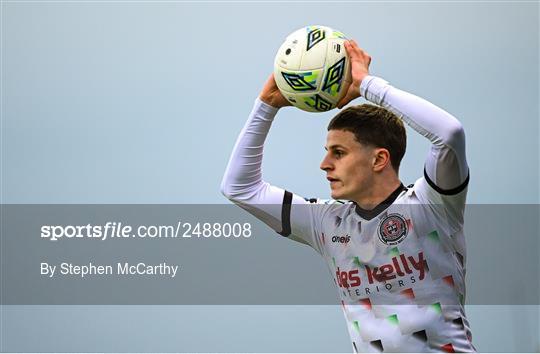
360	61
271	95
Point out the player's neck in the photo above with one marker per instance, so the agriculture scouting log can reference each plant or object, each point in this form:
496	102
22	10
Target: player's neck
378	193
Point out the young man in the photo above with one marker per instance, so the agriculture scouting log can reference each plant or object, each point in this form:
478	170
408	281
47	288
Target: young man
397	253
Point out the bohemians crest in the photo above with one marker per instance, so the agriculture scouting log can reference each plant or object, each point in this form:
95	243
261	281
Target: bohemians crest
393	229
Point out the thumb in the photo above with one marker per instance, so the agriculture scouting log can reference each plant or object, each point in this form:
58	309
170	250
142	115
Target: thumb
347	98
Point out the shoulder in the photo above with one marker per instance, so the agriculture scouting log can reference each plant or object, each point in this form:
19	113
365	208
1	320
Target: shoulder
450	207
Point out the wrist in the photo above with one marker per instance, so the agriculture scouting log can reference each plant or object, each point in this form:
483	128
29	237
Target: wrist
268	101
361	81
263	106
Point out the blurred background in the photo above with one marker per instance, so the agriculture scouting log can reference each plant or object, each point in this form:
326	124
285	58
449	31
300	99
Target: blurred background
140	102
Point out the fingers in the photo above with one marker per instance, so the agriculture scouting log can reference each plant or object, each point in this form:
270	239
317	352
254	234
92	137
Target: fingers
341	103
271	94
352	47
360	61
355	52
352	43
270	84
351	95
271	80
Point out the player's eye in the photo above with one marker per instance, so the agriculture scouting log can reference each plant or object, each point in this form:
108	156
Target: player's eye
339	153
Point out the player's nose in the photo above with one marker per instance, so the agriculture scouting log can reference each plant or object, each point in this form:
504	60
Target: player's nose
326	164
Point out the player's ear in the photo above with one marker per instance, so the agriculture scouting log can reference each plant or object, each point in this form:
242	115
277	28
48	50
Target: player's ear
381	158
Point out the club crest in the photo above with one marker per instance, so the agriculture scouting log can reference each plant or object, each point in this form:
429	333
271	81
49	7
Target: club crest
393	229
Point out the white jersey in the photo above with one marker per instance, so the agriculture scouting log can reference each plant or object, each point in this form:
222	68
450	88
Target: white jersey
400	267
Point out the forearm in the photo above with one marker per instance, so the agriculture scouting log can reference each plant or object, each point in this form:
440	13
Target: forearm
446	164
434	123
243	183
243	174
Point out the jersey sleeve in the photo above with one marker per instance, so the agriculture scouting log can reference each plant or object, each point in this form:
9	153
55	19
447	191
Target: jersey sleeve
446	173
288	214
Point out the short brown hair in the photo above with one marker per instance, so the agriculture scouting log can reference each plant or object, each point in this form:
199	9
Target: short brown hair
375	126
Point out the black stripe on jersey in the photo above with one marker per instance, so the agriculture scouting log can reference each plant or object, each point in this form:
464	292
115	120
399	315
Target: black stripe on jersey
286	214
452	191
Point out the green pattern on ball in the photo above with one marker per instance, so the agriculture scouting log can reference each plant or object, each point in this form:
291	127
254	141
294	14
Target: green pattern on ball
333	78
338	34
306	81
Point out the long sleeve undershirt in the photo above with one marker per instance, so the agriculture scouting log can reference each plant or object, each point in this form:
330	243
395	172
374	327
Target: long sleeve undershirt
446	164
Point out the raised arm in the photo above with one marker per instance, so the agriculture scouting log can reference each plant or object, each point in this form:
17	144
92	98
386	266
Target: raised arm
446	169
243	183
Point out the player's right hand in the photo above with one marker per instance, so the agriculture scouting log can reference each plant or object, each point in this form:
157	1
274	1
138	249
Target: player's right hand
271	95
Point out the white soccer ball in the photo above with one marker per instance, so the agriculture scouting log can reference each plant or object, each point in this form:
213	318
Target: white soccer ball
312	69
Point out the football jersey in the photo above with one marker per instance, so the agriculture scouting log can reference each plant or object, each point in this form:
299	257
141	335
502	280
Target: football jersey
399	268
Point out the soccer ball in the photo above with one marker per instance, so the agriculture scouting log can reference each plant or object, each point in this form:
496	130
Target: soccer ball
312	69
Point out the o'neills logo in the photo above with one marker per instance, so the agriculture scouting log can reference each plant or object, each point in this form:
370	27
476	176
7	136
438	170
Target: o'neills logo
341	239
393	229
399	266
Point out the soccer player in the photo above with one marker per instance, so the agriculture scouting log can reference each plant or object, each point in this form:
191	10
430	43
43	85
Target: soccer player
397	253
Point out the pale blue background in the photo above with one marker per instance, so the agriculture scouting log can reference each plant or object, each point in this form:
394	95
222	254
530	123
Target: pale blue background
141	102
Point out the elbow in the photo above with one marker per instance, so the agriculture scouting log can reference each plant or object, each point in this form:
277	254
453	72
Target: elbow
456	135
457	131
225	189
240	193
227	194
229	191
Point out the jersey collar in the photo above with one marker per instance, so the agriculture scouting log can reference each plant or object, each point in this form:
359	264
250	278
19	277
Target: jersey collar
370	214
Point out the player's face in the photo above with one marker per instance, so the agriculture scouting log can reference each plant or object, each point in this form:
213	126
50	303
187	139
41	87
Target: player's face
348	165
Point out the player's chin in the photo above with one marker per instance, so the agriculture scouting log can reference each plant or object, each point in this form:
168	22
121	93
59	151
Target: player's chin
336	193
